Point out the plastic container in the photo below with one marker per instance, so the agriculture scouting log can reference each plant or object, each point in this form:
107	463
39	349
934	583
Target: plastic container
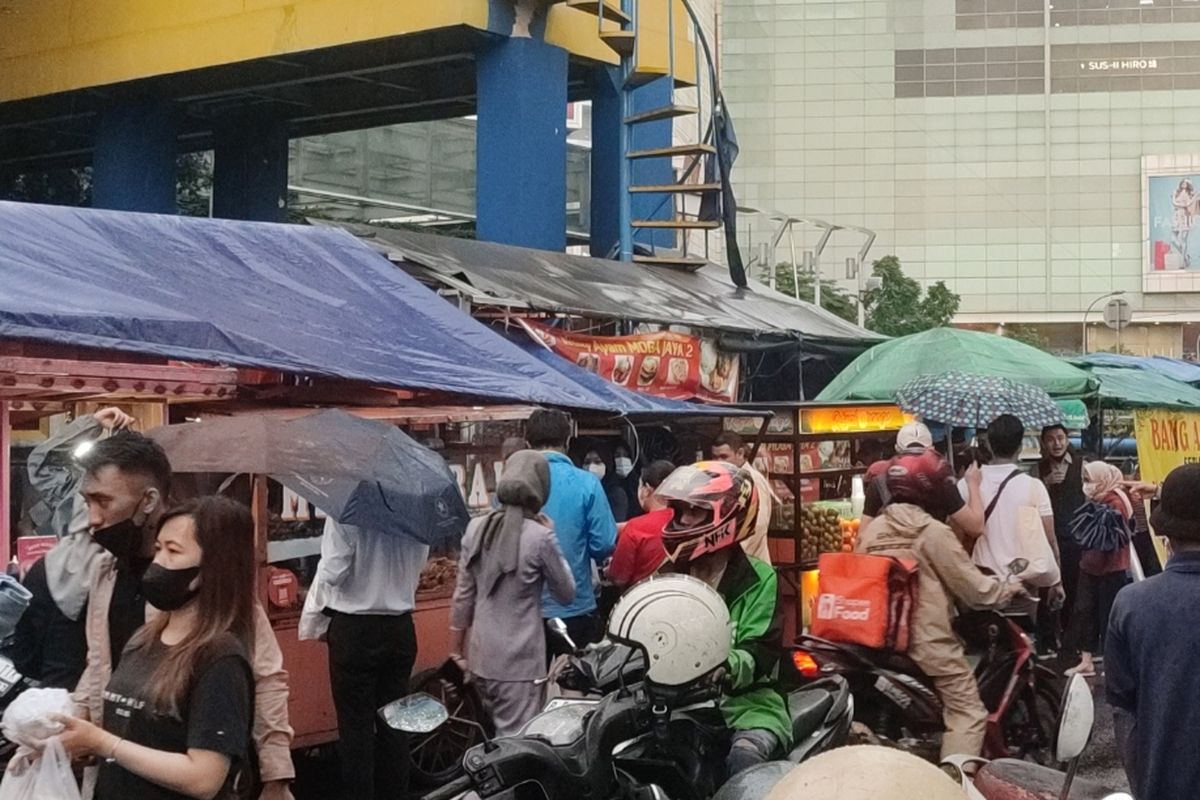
858	497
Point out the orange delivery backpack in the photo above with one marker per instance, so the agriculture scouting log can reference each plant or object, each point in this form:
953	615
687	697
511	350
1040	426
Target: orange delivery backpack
865	600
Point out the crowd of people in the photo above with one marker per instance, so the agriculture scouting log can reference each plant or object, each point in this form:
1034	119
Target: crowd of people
147	613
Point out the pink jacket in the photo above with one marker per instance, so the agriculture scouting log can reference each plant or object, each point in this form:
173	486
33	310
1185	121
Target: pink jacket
272	733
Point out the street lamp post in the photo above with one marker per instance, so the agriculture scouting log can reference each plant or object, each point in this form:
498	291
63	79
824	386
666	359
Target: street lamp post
1118	293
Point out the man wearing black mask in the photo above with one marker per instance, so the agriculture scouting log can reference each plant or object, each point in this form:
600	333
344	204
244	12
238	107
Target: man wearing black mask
49	644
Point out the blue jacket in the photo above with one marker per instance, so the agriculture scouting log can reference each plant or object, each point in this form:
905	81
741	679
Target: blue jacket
1150	660
585	528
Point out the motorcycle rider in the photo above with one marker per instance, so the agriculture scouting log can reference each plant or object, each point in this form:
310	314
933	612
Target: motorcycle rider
905	529
716	507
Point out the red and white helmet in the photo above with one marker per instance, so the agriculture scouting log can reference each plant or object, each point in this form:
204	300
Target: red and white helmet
728	496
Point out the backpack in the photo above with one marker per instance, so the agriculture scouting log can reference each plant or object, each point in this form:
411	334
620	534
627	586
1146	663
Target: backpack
865	600
1099	526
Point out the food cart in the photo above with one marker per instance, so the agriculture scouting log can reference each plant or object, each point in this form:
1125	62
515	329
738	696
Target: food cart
811	453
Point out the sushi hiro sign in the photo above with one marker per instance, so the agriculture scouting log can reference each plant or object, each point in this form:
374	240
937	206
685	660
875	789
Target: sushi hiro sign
673	365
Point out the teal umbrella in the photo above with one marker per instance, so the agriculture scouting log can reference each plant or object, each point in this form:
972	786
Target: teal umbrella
879	372
966	400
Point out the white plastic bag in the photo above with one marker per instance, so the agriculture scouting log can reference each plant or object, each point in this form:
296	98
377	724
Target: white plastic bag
27	719
48	778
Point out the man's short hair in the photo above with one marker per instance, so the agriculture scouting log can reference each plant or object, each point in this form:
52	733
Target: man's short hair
548	427
133	454
1005	435
1052	428
735	441
657	472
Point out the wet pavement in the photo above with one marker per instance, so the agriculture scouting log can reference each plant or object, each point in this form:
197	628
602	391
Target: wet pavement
1100	762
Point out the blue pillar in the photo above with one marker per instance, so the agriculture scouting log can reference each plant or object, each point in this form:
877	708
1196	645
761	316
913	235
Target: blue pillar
606	161
521	144
133	164
250	168
653	171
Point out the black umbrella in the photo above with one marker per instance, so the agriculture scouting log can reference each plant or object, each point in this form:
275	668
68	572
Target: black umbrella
359	472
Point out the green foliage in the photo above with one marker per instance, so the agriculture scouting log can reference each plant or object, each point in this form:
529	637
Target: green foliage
833	298
897	307
72	186
1029	334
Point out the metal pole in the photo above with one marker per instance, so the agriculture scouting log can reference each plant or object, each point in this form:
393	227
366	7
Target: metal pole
1084	344
625	206
792	250
5	483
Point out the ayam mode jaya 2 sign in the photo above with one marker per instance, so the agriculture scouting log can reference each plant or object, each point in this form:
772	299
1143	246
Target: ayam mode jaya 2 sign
674	365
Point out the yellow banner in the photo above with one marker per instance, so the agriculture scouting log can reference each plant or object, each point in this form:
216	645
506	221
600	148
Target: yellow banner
1166	440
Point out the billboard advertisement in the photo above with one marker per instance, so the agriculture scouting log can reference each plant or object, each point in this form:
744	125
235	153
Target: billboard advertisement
1171	223
1174	207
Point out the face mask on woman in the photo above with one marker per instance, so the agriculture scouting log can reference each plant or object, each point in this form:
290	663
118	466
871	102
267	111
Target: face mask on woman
624	466
599	470
169	589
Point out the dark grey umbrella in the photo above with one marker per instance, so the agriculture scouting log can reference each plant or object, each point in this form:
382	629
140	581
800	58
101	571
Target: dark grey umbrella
359	472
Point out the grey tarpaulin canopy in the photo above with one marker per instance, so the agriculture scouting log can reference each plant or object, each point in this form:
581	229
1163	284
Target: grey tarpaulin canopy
540	280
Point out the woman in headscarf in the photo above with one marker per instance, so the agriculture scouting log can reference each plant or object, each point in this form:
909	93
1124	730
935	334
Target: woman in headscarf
508	557
1102	573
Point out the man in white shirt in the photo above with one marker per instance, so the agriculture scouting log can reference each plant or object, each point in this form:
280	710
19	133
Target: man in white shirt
371	579
1005	488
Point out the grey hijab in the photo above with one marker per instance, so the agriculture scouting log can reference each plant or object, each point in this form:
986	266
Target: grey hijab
522	492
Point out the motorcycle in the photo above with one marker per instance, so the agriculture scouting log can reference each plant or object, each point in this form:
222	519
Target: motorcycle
898	702
624	738
1009	779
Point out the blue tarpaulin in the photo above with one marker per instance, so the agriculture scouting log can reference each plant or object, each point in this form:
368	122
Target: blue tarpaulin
298	299
1173	368
629	403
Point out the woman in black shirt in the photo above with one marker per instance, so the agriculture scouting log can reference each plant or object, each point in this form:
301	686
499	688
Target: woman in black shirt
177	711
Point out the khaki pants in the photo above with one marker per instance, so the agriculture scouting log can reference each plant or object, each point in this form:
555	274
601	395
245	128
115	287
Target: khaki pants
963	713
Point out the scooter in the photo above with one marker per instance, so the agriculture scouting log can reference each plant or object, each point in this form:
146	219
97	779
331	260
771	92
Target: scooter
636	741
899	704
1010	779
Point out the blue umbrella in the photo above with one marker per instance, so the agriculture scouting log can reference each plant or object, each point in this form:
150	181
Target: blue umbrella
969	400
359	472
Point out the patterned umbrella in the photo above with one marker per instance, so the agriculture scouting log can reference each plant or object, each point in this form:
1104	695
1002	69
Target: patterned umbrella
968	400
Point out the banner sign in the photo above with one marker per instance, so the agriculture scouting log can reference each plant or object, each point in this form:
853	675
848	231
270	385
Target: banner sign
1166	440
672	365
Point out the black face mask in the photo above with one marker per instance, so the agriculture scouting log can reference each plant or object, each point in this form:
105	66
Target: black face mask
122	539
169	589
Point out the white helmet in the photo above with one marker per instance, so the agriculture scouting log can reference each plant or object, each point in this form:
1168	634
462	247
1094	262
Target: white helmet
681	622
866	772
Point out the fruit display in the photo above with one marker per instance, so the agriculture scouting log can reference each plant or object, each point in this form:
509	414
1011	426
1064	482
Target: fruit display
820	532
849	534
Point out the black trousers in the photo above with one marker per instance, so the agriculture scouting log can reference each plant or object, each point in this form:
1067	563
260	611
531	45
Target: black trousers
1052	625
1093	604
370	660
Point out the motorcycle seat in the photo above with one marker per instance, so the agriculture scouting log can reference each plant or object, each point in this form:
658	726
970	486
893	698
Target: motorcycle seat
808	709
1024	780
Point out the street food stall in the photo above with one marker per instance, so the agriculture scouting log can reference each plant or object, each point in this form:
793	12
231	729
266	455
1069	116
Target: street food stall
813	454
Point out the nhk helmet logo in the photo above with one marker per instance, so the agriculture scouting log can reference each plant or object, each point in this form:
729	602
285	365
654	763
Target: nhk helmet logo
835	606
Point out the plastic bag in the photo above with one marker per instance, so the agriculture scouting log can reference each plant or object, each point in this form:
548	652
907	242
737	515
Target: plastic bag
27	719
48	778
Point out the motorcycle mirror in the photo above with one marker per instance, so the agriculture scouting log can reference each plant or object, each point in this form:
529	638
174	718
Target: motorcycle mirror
1078	715
417	713
559	629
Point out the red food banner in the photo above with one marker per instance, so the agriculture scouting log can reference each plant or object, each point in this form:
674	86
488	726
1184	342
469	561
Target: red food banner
30	549
673	365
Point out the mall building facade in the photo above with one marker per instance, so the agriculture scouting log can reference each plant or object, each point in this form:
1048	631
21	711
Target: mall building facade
1033	155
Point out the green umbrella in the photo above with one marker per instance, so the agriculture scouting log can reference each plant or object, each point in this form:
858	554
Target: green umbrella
879	372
